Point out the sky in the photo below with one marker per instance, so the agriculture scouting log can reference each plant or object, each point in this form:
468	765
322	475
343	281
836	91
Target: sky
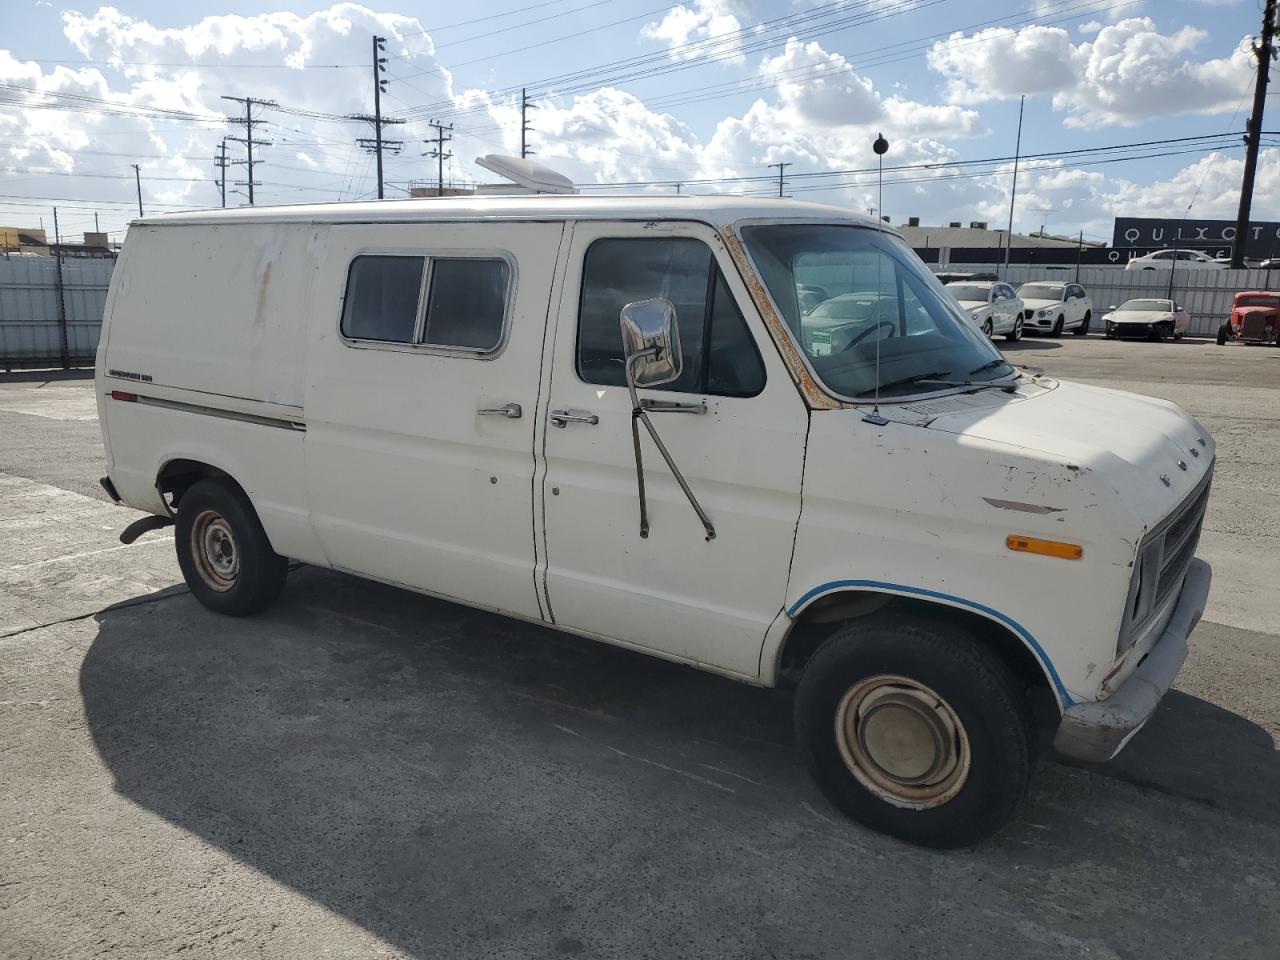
637	96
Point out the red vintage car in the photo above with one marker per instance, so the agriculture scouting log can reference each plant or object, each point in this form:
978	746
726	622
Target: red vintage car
1255	318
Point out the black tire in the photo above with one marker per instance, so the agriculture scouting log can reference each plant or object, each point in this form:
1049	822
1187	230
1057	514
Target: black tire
223	551
1057	327
1159	333
1224	332
977	691
1083	329
987	329
1014	335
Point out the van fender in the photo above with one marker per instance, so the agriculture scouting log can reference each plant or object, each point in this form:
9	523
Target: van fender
778	633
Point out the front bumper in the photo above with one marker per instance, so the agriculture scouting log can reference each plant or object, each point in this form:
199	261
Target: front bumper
1129	329
1097	730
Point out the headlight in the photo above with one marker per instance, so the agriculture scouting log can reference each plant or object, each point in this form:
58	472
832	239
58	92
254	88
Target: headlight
1042	313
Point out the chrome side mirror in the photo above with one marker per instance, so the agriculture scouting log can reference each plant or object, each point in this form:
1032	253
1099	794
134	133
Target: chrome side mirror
651	342
651	350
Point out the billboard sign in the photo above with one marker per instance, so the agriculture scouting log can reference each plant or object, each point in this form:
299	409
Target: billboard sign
1214	237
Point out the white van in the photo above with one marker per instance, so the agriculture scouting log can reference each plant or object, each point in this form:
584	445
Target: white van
613	416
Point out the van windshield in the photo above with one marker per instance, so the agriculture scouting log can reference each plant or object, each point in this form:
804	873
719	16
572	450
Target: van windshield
850	293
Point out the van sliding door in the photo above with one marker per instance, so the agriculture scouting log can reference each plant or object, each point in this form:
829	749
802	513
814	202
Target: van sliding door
424	363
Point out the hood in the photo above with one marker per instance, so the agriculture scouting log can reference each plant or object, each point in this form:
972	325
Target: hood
1137	316
1041	304
1126	442
1256	309
972	305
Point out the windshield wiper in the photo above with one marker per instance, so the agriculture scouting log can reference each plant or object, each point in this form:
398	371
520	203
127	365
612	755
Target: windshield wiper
990	364
905	381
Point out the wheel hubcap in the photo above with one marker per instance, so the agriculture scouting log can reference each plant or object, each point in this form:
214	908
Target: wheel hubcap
213	548
902	741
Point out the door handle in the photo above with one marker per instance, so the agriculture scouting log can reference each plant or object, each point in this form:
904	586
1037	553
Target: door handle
511	411
562	418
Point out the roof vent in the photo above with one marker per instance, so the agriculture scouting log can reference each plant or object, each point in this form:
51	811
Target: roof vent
913	221
954	224
977	224
526	175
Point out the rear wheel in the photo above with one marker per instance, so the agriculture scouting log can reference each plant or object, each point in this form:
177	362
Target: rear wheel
914	728
1084	325
1057	327
223	551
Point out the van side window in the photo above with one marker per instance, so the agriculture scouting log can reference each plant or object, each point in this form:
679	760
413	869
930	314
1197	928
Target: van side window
382	299
463	307
466	304
720	355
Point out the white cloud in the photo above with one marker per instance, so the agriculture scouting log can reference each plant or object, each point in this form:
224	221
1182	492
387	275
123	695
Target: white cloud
1128	73
707	27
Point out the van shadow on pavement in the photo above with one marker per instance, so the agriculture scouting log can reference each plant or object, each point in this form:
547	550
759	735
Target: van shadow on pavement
461	784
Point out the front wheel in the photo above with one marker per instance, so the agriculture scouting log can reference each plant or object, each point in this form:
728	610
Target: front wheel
223	551
986	328
914	728
1224	333
1057	327
1084	325
1014	335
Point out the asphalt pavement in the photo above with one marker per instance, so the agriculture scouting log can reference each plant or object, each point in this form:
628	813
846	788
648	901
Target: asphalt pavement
365	772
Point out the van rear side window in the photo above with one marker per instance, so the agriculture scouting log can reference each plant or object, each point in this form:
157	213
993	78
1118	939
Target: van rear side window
467	303
382	299
454	303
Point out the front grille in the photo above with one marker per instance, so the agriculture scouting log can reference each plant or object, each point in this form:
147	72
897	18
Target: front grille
1163	558
1028	314
1253	325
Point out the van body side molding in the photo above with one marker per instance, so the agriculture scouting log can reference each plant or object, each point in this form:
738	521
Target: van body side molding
1064	698
222	412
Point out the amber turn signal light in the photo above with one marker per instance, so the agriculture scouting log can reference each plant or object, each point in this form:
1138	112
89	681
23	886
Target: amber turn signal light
1046	548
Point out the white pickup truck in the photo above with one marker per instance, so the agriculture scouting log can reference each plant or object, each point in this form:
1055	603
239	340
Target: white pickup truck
615	417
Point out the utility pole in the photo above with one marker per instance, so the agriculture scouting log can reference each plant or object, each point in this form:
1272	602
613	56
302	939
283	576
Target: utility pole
1013	194
439	153
1263	52
378	143
137	179
249	141
62	295
525	106
781	168
220	162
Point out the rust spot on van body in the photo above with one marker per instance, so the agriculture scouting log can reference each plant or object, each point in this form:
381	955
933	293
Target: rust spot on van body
259	318
813	394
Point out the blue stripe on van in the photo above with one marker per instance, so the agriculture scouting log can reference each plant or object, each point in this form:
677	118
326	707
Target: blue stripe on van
1065	698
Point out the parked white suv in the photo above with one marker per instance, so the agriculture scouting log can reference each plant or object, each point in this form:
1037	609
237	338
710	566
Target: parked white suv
1175	259
1051	307
994	307
612	416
